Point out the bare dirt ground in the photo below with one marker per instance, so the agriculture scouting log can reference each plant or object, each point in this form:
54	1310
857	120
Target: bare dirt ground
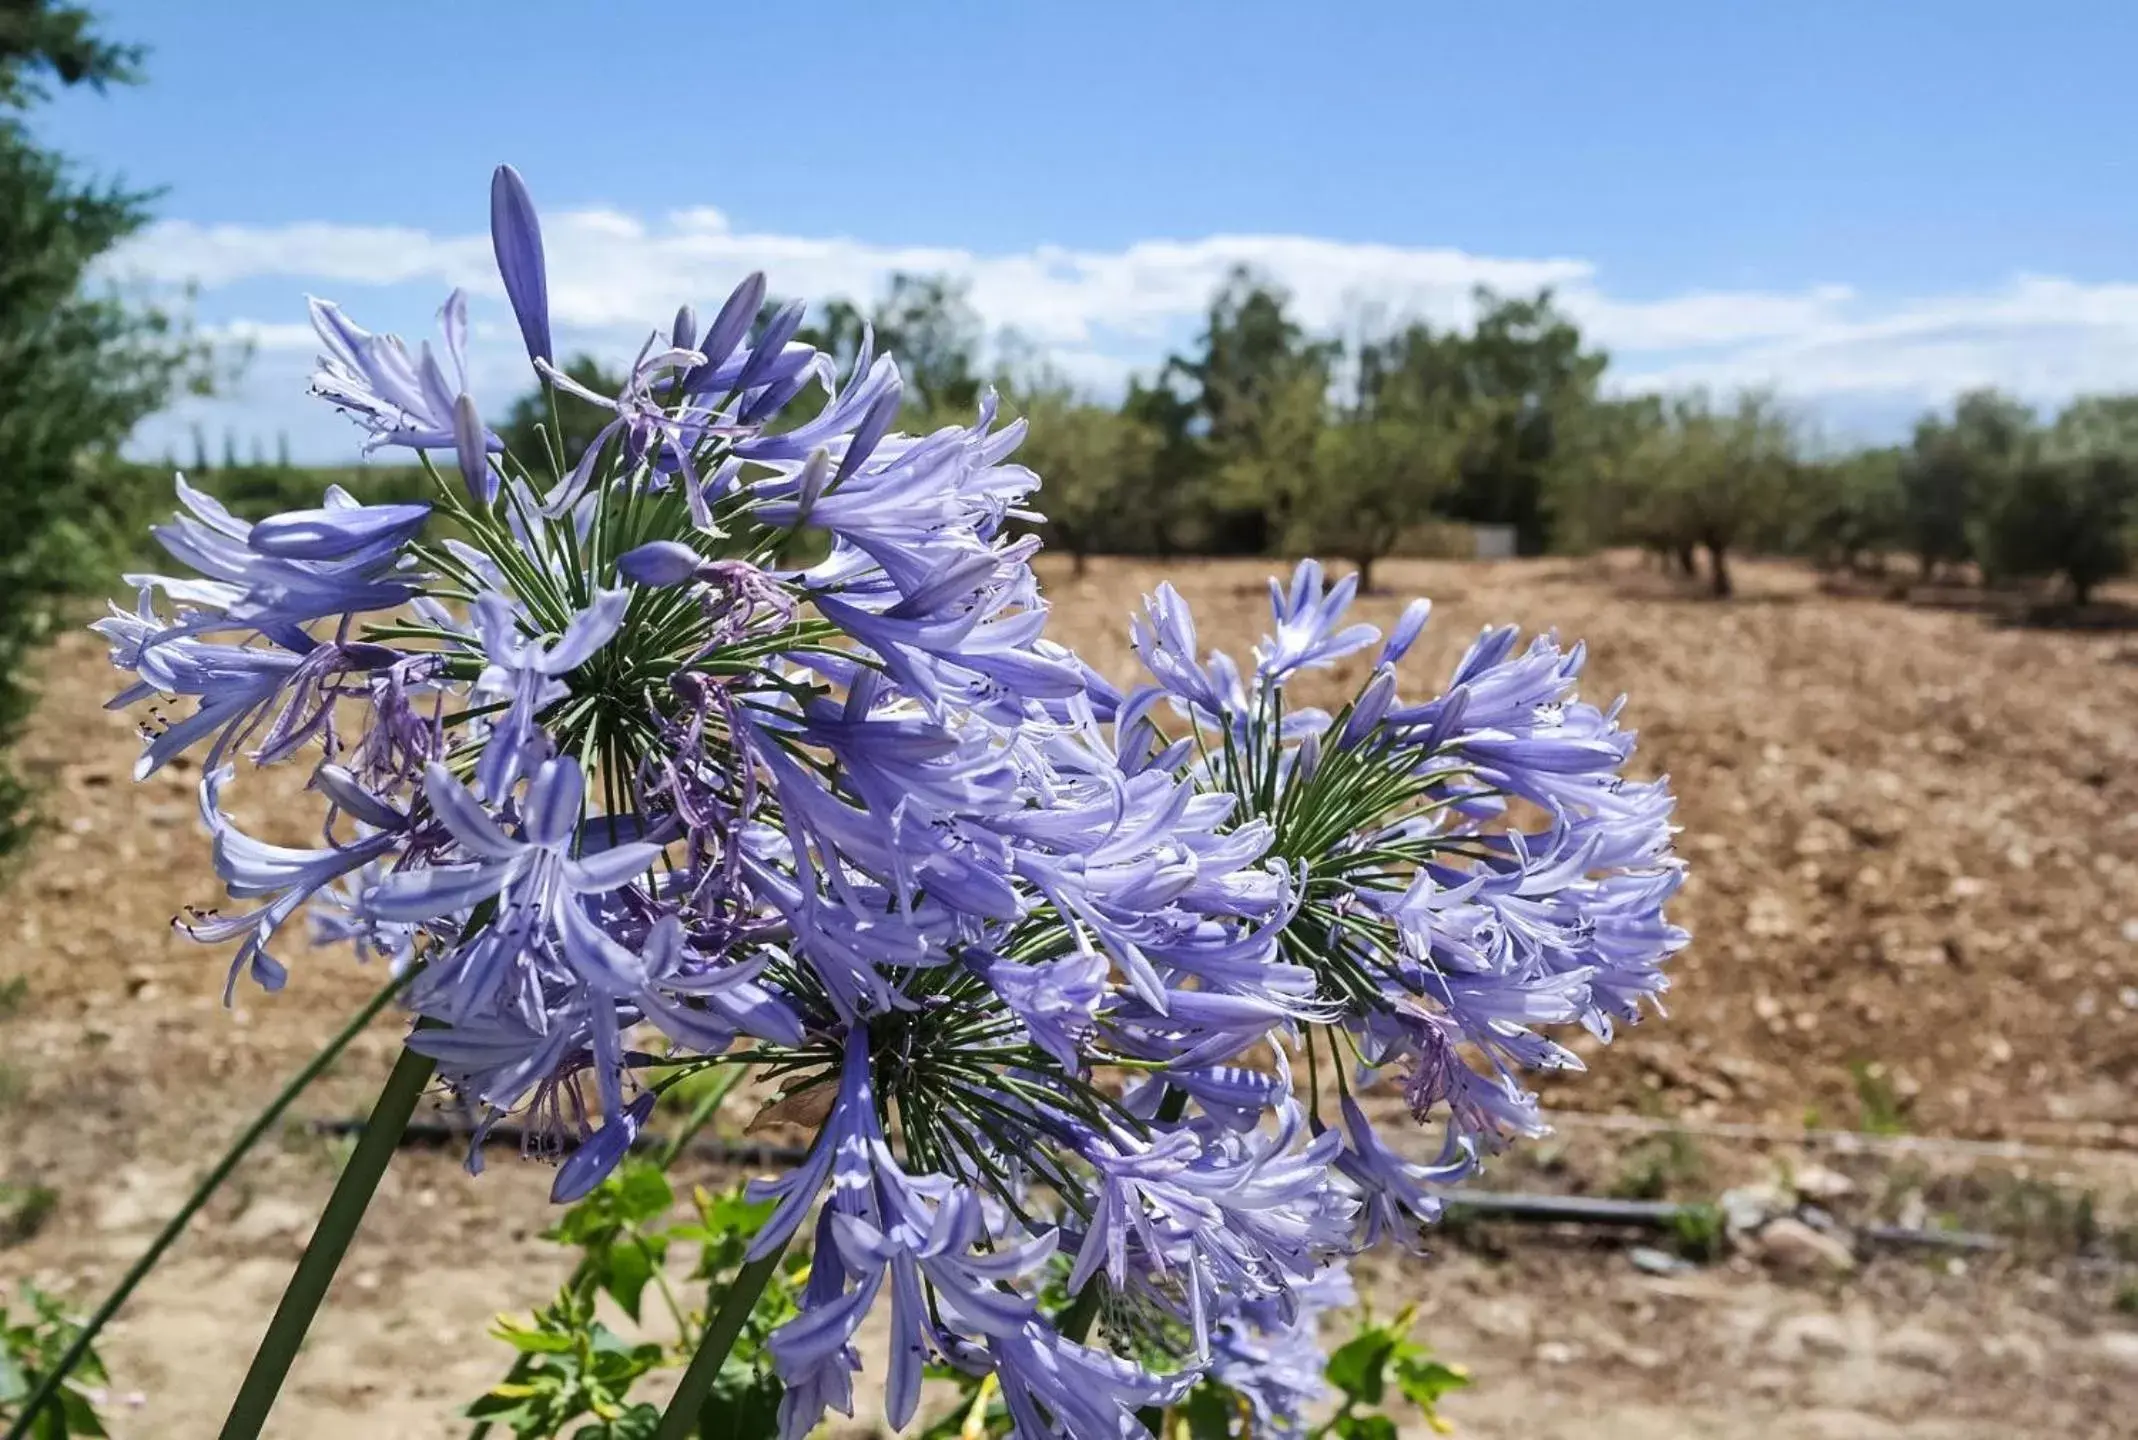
1914	836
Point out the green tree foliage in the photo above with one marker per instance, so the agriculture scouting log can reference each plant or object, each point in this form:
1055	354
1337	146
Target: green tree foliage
1712	478
1849	509
1096	464
80	364
2070	505
1957	470
1598	470
1351	467
1240	394
1526	369
929	324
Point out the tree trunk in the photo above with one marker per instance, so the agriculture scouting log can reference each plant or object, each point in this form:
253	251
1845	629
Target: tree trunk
1365	564
1079	562
1719	572
1687	564
2081	591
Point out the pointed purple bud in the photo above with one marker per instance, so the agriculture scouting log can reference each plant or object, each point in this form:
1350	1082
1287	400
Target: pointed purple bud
873	427
1309	762
331	534
659	562
771	341
1407	631
1370	709
728	328
809	487
474	448
604	1150
516	236
683	334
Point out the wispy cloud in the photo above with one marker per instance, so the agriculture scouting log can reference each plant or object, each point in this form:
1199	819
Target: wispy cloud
1102	314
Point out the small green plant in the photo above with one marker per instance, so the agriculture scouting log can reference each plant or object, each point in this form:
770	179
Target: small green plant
13	994
1700	1232
1656	1165
32	1337
1364	1368
1879	1108
2126	1301
569	1366
24	1209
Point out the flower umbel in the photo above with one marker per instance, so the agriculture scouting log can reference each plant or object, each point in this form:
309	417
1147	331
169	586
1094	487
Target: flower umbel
737	738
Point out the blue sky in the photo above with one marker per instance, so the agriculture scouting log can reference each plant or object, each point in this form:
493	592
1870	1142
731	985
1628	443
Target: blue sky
1864	204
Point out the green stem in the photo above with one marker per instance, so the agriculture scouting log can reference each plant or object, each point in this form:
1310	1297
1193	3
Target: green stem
49	1385
329	1243
1075	1322
1171	1106
683	1417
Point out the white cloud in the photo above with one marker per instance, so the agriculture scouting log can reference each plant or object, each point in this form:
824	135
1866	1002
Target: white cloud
1100	314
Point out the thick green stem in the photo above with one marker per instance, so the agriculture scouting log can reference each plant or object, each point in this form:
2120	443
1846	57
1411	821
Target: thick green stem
681	1420
329	1243
1075	1322
48	1386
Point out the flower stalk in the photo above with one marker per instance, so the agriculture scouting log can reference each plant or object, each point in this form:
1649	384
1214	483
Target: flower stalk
684	1415
330	1240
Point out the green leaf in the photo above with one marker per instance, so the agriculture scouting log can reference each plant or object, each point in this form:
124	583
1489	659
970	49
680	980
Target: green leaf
498	1405
81	1416
638	1423
1423	1380
535	1342
626	1275
642	1192
735	1214
1210	1411
1358	1366
1364	1427
743	1406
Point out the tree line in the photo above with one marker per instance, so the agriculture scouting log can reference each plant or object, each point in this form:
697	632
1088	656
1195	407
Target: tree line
1264	437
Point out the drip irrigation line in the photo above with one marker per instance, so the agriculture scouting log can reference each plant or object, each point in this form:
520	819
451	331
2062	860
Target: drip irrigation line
1515	1206
427	1134
1847	1140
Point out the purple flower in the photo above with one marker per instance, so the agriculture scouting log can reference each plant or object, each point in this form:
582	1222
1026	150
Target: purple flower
284	877
1394	1189
529	875
401	399
516	239
1276	1363
332	561
470	444
1057	1388
592	1162
1307	637
527	675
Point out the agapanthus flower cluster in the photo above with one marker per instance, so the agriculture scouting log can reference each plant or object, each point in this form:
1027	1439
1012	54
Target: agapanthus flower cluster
737	738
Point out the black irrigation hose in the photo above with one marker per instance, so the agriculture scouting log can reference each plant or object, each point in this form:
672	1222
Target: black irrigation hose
1465	1204
429	1134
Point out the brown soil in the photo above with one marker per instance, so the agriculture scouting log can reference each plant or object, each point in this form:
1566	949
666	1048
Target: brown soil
1914	839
